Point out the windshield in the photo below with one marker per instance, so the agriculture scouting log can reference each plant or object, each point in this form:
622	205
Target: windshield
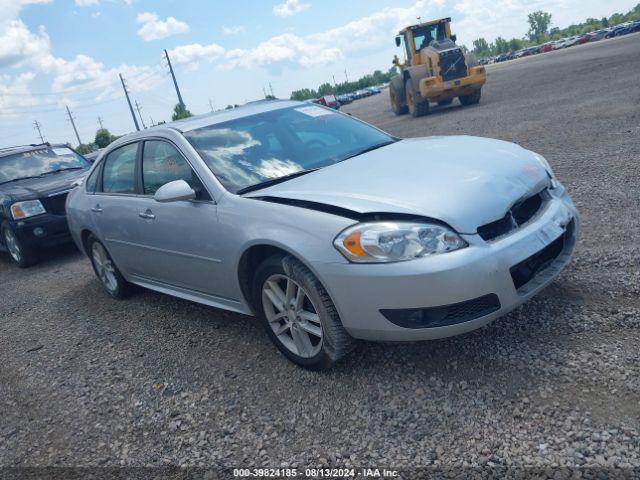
423	36
263	147
39	162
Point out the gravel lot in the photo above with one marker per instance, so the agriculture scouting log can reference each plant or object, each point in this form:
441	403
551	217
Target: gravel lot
88	381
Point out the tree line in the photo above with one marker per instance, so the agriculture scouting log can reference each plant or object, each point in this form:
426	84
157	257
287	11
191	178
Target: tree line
540	32
375	78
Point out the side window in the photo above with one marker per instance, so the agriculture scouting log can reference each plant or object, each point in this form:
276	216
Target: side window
162	163
118	171
92	181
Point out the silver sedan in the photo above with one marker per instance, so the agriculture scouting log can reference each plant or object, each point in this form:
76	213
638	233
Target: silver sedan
324	227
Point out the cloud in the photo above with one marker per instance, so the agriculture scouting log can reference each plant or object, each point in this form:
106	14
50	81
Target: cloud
189	54
87	3
370	32
15	94
290	8
232	30
155	29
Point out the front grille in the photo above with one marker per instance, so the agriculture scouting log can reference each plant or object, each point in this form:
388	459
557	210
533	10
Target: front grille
452	64
431	317
518	215
523	272
55	204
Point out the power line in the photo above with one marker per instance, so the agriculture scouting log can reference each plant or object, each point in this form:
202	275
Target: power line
140	114
175	82
73	124
126	94
37	125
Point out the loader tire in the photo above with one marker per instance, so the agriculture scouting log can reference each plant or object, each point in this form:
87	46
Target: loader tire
417	105
471	99
397	95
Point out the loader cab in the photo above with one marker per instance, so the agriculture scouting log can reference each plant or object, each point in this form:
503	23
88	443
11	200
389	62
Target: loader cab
417	37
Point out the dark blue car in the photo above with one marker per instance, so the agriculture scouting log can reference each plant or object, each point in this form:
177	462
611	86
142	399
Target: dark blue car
34	183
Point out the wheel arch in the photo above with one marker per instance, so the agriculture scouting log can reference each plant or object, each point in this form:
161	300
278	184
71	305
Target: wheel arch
253	256
84	238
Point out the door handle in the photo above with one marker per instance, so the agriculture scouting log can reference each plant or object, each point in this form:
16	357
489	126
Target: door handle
147	215
97	209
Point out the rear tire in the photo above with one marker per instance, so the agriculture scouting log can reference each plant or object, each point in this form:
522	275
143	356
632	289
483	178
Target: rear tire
298	314
472	98
418	106
397	97
106	270
19	253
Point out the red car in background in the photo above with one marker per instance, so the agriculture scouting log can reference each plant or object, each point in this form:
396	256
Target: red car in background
584	38
547	47
328	101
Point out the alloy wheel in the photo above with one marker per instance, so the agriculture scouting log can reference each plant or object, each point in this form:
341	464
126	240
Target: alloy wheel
12	244
292	316
104	267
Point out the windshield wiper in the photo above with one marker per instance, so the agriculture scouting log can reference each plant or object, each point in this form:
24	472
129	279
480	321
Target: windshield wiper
18	179
64	170
275	181
369	149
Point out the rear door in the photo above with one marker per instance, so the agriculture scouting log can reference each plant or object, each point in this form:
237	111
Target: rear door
113	207
180	239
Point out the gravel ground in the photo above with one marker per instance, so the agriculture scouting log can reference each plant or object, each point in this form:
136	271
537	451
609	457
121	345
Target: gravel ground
154	380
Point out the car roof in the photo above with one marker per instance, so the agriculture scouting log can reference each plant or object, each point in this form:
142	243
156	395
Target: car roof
251	108
6	151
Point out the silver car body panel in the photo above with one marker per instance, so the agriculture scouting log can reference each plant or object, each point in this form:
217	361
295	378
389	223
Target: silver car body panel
193	249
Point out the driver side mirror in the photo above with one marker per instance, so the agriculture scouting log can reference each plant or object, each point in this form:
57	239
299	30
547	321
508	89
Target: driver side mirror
174	192
398	41
454	38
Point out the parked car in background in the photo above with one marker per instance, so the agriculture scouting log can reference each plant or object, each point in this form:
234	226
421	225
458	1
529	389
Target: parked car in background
328	101
374	90
34	183
93	155
546	47
326	228
598	35
345	98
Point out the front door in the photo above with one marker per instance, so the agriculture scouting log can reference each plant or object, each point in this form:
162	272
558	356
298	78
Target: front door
114	210
179	239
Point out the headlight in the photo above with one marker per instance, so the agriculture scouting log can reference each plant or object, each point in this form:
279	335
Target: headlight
26	209
395	241
547	167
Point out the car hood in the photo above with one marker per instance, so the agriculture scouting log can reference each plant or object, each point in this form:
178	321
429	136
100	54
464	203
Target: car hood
32	188
461	180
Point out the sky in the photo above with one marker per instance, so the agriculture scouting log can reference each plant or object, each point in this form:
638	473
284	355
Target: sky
58	53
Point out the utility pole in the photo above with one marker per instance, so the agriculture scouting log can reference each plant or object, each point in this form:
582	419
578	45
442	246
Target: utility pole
175	82
126	94
271	88
141	119
73	124
264	92
39	131
345	75
100	122
334	80
211	105
153	124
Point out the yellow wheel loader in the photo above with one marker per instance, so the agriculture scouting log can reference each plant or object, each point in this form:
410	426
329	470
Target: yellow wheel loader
436	70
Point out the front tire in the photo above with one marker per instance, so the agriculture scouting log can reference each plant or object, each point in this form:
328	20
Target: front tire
298	314
396	95
105	269
471	99
417	105
21	255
